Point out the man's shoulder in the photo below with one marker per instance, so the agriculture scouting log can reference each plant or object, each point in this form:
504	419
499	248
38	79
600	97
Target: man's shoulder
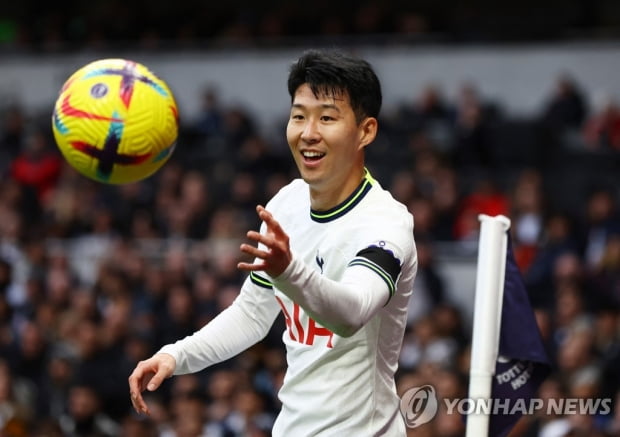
385	205
293	193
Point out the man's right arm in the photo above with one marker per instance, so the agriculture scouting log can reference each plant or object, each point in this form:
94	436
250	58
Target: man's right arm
243	324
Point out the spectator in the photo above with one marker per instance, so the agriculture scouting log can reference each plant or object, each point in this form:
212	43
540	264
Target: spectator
15	413
429	113
189	416
221	387
527	210
566	107
54	392
607	348
180	317
211	116
485	198
605	276
430	287
30	354
85	417
557	239
12	135
37	166
602	130
601	221
473	138
432	106
248	416
133	426
427	346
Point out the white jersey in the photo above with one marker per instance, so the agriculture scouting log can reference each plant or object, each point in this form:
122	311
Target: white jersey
334	386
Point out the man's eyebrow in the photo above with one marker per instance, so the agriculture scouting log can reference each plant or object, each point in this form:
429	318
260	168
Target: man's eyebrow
322	105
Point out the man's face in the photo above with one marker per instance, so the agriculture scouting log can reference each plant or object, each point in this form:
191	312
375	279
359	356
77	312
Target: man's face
326	141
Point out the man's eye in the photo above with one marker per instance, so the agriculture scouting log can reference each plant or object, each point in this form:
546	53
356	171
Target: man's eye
327	118
297	117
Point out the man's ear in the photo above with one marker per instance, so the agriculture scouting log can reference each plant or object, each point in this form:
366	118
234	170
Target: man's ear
368	131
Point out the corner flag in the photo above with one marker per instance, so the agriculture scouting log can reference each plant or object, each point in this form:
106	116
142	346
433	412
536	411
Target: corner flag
522	364
513	362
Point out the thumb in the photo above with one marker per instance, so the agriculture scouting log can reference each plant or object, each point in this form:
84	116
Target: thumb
156	380
164	369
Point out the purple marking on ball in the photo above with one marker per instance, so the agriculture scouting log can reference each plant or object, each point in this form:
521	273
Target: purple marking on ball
99	90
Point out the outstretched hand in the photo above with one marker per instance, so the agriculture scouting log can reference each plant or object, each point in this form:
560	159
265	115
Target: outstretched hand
148	375
277	256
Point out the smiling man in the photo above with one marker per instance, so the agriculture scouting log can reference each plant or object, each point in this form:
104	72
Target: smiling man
335	254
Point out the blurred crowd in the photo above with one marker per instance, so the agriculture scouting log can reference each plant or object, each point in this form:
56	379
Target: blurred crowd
66	25
95	277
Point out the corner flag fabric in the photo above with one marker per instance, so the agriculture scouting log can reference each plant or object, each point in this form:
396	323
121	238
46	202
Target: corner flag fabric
523	363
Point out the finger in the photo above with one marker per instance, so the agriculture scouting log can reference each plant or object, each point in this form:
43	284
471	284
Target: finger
265	215
272	224
156	380
259	238
135	388
139	404
253	250
134	380
253	267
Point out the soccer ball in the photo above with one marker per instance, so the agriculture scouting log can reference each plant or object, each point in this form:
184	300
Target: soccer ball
115	121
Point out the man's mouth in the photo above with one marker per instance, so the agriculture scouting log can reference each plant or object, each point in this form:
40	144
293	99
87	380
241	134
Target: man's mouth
310	155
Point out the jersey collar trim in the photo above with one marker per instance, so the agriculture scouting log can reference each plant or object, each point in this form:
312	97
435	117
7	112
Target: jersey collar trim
348	204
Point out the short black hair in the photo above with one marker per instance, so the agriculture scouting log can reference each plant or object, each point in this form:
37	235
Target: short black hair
334	72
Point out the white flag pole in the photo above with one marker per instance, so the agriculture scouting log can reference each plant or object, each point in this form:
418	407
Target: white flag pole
490	273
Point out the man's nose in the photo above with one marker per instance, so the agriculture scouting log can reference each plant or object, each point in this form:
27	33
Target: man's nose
311	133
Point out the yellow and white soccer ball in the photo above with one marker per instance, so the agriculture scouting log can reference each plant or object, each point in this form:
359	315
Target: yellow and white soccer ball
115	121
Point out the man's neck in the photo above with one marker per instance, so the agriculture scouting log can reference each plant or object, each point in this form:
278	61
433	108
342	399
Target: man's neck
323	200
